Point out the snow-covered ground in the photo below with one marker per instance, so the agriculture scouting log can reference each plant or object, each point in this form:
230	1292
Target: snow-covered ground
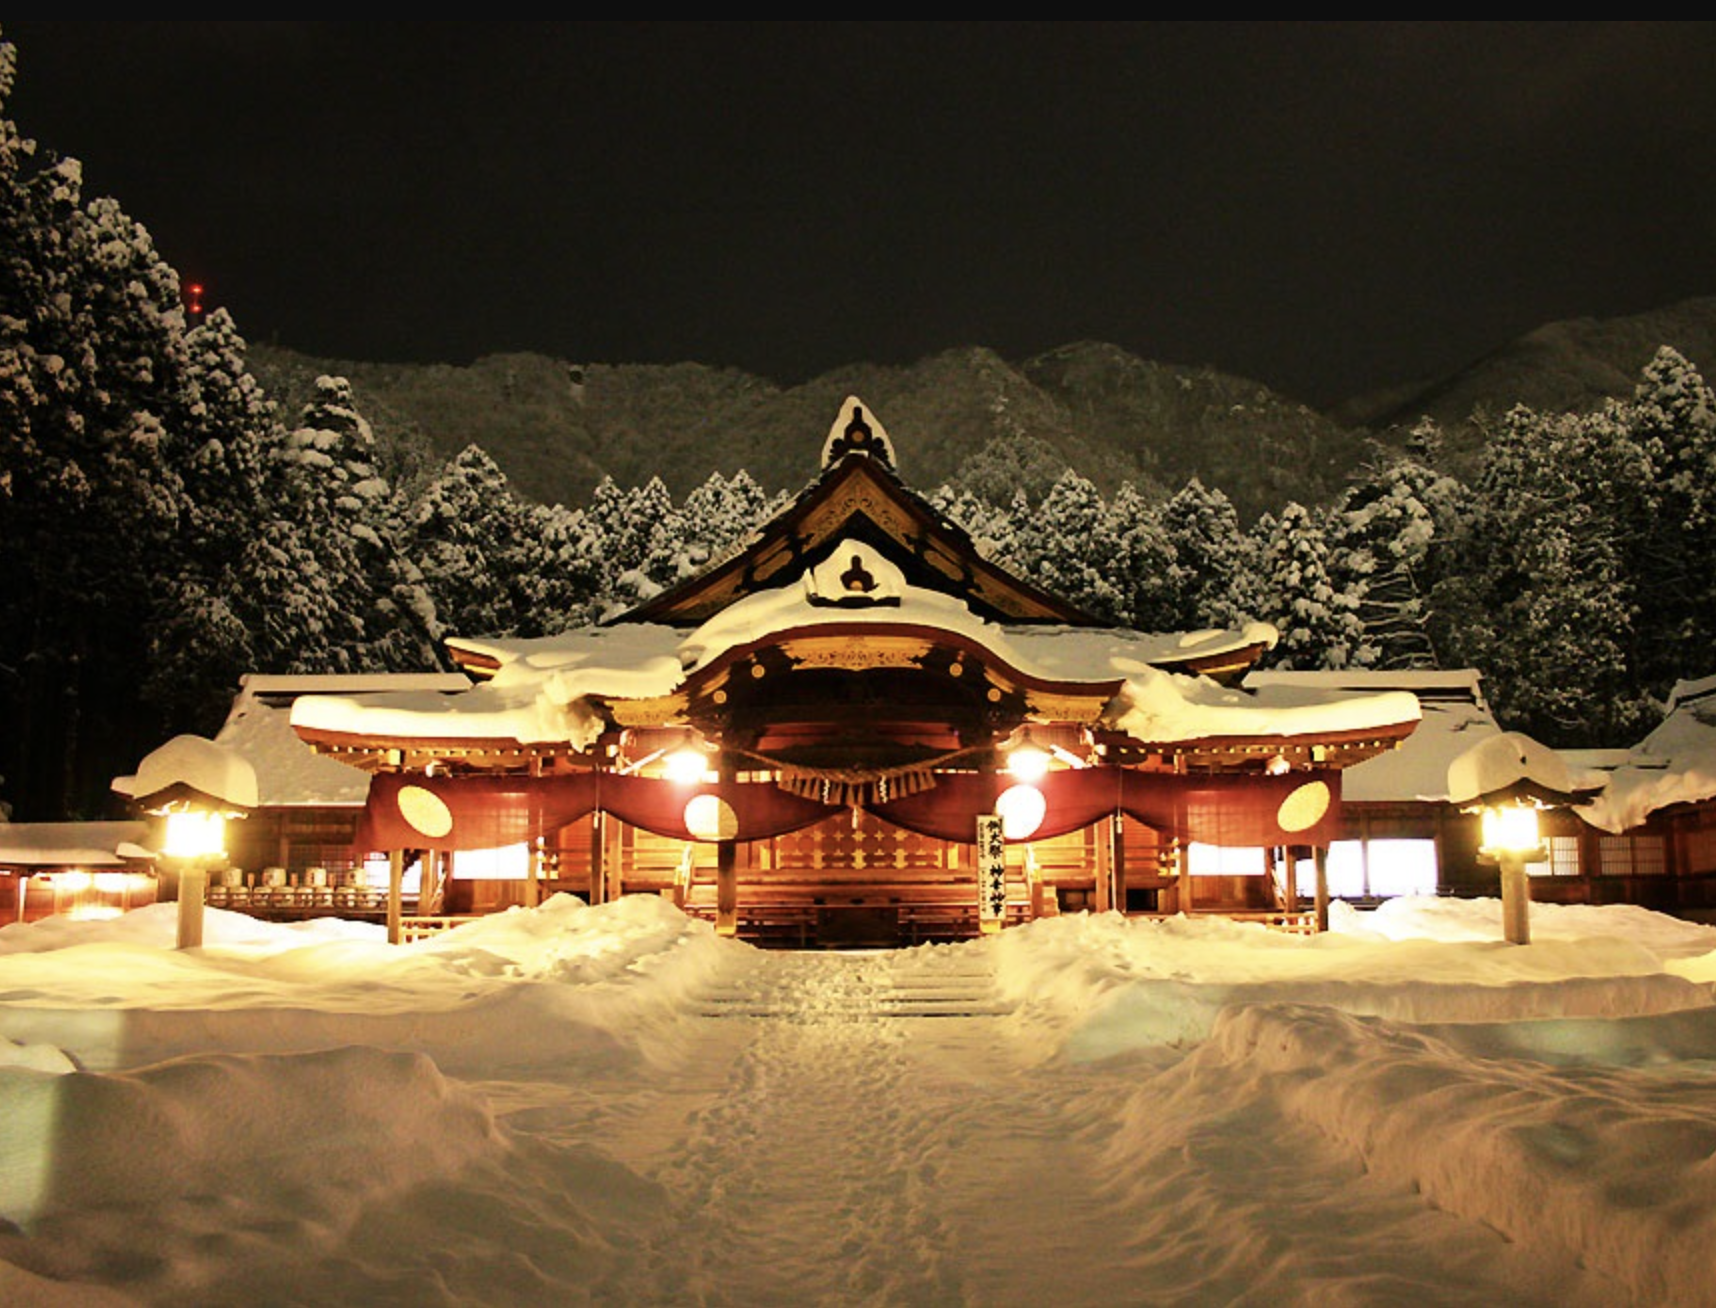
612	1105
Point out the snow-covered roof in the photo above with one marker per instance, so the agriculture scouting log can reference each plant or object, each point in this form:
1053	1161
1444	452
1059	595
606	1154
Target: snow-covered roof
1512	763
541	688
199	764
289	773
1453	716
1675	764
72	844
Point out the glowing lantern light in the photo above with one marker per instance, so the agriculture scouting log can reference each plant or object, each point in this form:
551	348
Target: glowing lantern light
686	767
1021	809
1510	829
195	833
74	882
1026	762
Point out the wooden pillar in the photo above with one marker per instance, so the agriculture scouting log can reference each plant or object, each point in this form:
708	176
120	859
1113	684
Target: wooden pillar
431	887
1175	857
598	870
613	864
1117	856
395	893
533	875
1289	881
1516	899
1104	865
727	887
726	869
1320	861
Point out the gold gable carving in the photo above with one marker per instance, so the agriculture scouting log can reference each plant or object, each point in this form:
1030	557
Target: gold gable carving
857	654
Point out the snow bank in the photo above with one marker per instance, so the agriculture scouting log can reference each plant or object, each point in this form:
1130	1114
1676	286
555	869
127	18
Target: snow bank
1614	1171
221	1178
1448	919
564	983
1104	983
339	1124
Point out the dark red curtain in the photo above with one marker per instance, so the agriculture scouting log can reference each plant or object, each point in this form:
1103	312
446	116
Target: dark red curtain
411	812
470	812
1237	809
949	809
755	810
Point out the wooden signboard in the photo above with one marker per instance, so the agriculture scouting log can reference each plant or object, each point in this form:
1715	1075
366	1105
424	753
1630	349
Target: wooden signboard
991	873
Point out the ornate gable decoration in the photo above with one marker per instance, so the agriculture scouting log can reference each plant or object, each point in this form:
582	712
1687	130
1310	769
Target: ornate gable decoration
856	431
859	499
855	575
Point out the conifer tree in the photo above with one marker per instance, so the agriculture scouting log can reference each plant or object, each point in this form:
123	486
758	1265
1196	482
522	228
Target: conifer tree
90	359
355	524
1387	536
1319	624
466	536
1671	539
560	570
1142	567
1212	571
1540	598
1074	545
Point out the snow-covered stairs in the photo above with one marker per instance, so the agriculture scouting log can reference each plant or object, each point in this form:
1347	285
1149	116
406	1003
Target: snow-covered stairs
885	984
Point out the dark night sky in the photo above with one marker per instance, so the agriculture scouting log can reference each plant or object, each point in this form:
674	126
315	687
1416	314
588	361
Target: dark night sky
1323	207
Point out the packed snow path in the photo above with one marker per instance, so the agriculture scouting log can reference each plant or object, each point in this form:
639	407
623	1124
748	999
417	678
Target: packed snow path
808	1177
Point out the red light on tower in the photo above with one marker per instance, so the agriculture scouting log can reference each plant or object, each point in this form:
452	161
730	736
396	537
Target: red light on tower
194	299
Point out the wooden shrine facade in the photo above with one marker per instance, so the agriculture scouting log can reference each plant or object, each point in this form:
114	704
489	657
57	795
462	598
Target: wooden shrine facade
854	729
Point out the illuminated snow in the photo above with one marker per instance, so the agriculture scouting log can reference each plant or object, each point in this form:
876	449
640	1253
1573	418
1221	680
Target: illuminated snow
612	1104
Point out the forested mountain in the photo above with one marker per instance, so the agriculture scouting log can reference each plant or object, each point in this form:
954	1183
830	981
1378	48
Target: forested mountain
1564	367
970	417
964	415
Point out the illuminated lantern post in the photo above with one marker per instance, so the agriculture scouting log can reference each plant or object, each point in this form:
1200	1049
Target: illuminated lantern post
1019	811
1508	779
196	837
1510	840
196	785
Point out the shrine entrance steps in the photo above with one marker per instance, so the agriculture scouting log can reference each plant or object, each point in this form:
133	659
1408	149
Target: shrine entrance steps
879	985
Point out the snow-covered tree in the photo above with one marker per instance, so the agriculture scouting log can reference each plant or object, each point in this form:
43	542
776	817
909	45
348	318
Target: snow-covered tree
717	517
1387	535
1540	597
1142	566
561	570
198	646
1071	547
989	526
1319	623
1671	541
354	522
1212	568
467	529
91	355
